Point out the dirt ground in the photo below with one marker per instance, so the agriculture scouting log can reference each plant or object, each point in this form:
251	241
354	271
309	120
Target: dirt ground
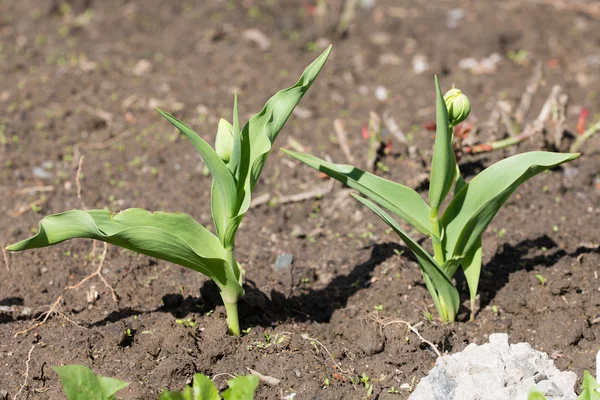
81	79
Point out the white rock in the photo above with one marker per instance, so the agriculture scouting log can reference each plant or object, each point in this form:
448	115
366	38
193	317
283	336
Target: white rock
495	371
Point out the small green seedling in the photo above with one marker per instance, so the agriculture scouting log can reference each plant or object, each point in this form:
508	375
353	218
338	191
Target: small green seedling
235	164
455	233
541	279
79	383
240	388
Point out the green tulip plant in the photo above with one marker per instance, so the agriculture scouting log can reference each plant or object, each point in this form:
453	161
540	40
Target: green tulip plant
235	166
455	233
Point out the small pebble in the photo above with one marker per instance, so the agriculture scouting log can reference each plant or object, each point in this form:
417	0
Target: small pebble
381	93
284	261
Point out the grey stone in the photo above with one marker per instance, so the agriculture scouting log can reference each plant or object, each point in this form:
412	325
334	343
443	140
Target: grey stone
284	261
495	371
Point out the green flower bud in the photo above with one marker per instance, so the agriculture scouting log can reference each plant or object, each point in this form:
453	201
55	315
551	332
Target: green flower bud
224	140
458	106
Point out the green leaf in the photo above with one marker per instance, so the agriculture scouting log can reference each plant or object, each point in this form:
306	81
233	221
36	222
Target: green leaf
224	179
204	388
173	237
185	395
260	132
589	388
471	266
443	164
399	199
441	289
535	394
80	383
477	203
236	155
241	388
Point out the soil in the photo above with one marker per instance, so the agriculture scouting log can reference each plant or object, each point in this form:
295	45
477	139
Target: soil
73	84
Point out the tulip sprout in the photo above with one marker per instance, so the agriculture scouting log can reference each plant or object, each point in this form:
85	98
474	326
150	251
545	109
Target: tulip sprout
455	233
235	166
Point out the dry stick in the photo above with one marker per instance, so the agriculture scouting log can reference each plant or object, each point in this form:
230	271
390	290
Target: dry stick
26	372
390	321
347	16
269	380
591	131
342	136
107	143
374	139
532	129
53	310
294	198
315	341
561	119
34	189
97	273
5	258
530	91
78	182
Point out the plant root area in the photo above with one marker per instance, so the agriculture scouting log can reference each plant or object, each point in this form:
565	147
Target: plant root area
82	78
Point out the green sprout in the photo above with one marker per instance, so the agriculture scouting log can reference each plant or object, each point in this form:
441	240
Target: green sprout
541	279
175	237
455	233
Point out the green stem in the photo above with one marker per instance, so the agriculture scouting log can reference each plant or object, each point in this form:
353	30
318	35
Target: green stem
230	300
591	131
436	228
233	321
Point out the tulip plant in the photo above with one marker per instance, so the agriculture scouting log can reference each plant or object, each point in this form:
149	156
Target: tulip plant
235	165
455	233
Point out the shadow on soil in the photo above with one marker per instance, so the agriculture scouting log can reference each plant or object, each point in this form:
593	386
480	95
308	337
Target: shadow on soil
258	308
511	258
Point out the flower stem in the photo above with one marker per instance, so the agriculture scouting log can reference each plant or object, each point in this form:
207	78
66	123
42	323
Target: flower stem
230	300
436	228
233	321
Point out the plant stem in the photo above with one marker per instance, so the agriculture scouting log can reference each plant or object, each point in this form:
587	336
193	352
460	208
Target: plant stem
591	131
230	301
233	321
436	228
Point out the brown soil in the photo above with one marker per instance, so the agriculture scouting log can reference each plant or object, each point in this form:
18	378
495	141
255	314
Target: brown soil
71	88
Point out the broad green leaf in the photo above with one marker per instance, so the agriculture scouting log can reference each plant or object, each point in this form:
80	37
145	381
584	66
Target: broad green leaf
535	394
443	292
443	164
173	237
589	388
241	388
204	388
260	132
460	181
80	383
185	395
472	209
224	179
399	199
236	155
471	266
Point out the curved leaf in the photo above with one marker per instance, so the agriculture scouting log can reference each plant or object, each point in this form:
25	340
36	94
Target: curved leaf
80	383
224	179
471	266
173	237
478	201
442	291
399	199
443	164
241	388
260	132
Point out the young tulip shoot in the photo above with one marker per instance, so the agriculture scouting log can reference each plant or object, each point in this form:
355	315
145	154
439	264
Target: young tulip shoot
235	165
455	233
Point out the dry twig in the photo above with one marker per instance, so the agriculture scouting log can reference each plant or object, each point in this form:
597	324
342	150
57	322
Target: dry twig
384	322
342	136
5	255
26	373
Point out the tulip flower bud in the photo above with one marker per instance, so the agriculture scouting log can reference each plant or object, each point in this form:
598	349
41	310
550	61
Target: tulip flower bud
224	140
458	106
